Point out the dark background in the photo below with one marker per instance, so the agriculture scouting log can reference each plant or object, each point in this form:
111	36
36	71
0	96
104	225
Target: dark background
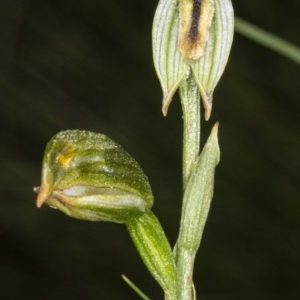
87	64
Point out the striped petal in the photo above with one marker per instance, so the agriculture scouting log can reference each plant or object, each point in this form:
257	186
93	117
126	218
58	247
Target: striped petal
210	67
168	61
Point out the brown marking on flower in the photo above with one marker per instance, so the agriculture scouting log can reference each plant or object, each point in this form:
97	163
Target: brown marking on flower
64	157
195	21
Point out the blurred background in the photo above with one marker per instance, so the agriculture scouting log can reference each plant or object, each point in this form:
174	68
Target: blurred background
88	65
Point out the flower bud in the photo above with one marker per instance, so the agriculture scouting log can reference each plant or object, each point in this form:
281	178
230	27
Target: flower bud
88	176
196	35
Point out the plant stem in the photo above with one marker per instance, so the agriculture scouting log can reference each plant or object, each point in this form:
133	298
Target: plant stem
190	102
185	267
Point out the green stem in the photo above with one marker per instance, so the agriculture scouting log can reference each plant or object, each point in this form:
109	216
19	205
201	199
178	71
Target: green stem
155	251
190	102
268	40
185	266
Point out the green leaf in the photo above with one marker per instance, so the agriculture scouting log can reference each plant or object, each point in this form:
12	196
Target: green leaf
268	40
196	203
155	251
199	191
135	288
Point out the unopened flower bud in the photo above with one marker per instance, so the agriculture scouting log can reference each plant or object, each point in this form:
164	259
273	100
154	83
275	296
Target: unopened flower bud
88	176
192	34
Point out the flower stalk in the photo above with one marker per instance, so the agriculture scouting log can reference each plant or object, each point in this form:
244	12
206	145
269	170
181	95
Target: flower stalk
190	103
